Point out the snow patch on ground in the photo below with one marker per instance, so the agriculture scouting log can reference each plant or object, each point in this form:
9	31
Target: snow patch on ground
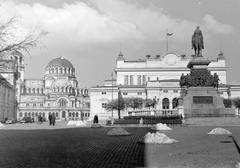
118	132
96	125
219	131
1	125
158	138
76	123
161	126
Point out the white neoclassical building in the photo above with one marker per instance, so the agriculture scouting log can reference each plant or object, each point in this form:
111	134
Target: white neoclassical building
58	92
155	77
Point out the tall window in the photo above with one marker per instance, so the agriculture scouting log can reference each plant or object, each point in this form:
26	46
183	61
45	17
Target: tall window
174	103
144	79
139	79
165	103
126	80
131	80
62	102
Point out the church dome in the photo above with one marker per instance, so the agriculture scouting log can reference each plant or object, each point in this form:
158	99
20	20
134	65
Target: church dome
60	62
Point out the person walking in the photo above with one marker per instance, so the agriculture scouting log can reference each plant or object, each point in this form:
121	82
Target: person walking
50	118
53	119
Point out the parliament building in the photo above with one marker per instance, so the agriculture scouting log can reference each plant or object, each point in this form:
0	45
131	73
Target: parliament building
154	77
57	93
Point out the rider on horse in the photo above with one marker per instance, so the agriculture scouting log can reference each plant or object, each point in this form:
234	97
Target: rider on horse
197	42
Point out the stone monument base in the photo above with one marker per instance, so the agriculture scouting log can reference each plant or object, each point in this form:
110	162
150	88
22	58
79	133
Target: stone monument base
204	102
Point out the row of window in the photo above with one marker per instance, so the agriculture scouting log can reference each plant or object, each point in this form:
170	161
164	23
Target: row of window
141	79
34	105
62	89
129	80
124	93
36	114
32	90
61	103
165	103
61	70
140	93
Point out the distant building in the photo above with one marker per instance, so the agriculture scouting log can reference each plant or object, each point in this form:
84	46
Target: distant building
57	93
11	70
7	100
153	78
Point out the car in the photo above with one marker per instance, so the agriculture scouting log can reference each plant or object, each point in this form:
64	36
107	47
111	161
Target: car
9	122
26	120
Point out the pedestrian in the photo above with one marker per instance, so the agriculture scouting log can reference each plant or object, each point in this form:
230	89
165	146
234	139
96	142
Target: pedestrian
50	118
53	119
39	119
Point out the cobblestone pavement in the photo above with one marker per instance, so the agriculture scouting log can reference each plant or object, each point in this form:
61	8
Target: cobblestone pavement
69	148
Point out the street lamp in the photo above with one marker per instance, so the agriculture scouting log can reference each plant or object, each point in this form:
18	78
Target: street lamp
112	98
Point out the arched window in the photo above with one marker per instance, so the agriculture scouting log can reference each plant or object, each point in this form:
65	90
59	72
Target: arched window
76	114
29	114
60	70
165	103
70	114
62	102
174	103
73	114
20	114
56	70
32	114
36	114
25	114
38	90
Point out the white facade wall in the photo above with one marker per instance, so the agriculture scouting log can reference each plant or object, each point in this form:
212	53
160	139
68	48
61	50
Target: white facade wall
169	66
162	76
98	98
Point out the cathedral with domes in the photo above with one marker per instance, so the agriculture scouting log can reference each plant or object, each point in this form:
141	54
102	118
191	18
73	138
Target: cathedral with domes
57	93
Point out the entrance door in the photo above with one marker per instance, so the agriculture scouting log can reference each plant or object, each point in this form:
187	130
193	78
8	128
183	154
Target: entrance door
63	114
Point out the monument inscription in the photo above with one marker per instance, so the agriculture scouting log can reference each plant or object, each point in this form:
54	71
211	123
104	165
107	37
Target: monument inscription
202	99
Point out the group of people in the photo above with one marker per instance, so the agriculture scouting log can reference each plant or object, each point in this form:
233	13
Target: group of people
52	119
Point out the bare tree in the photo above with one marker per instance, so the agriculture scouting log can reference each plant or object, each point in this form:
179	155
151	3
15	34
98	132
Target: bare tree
10	41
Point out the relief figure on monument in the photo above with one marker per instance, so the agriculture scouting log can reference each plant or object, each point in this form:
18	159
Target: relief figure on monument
197	42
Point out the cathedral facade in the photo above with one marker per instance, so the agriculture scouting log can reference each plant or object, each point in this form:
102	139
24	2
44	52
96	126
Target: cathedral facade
57	93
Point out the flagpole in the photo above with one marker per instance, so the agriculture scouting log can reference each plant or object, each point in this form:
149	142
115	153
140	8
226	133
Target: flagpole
167	40
112	94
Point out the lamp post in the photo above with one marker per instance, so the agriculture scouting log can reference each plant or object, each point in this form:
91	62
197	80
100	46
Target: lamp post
112	99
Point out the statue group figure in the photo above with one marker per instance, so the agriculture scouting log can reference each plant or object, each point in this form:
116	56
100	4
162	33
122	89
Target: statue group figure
197	42
195	79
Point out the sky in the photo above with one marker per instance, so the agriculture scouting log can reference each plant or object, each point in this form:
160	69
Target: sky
91	33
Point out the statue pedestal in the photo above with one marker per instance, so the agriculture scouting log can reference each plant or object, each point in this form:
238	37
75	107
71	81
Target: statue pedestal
203	102
201	98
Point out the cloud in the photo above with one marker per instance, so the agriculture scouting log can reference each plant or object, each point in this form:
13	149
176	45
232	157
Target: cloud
216	27
105	21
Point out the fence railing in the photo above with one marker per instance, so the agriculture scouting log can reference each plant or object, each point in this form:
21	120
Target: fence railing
153	112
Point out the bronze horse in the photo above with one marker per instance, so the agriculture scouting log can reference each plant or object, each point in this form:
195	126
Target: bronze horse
197	42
